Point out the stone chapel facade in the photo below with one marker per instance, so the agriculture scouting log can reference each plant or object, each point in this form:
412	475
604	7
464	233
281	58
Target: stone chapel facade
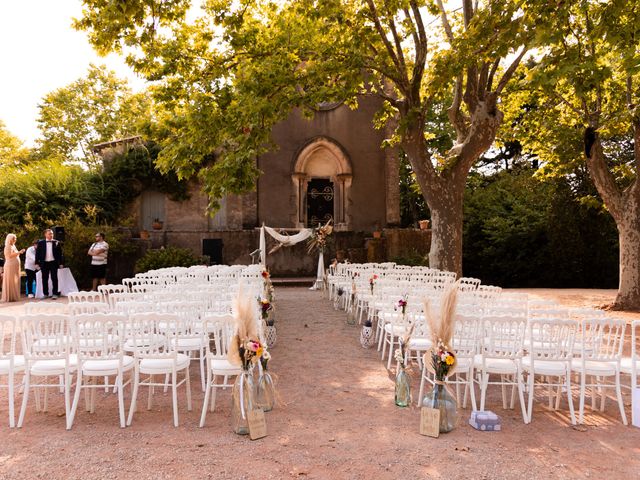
329	167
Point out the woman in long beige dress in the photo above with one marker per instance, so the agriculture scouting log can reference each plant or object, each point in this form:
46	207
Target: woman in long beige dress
11	280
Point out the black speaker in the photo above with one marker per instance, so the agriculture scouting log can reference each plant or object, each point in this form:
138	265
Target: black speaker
58	233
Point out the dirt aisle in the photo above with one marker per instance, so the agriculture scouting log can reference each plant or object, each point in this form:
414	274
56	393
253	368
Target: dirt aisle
336	419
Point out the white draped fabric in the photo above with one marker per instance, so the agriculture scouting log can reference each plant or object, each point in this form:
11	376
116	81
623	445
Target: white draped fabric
288	241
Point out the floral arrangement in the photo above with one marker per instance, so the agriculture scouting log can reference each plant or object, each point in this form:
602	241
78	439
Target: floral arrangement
268	290
372	282
319	237
401	351
402	303
264	359
265	307
340	291
443	359
245	349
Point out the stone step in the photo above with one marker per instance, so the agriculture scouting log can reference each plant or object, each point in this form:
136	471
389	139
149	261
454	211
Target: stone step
292	281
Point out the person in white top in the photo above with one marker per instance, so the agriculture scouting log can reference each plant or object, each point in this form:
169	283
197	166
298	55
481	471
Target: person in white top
99	252
30	268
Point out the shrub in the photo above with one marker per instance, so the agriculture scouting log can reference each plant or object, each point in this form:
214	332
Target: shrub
167	257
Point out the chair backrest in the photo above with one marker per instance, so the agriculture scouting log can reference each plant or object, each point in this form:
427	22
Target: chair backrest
107	290
503	337
87	307
45	336
97	335
635	353
115	298
76	297
551	339
130	307
222	328
8	329
602	339
46	307
465	335
148	334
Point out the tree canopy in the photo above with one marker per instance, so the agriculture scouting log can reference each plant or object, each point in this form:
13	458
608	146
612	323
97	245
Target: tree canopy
97	108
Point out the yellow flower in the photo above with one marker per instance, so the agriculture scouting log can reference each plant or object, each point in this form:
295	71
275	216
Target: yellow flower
259	352
450	360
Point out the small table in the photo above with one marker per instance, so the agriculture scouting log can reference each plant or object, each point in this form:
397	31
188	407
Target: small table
66	283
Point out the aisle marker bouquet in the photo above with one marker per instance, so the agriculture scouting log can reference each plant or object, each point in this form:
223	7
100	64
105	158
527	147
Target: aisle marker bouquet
372	282
319	237
402	303
443	359
245	348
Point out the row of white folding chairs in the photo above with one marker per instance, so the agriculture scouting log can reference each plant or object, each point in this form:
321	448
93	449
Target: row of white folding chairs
510	347
97	345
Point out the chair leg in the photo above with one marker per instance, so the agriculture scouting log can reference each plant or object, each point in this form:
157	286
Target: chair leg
483	391
518	378
207	394
36	395
119	384
25	398
202	380
134	396
391	344
531	391
620	402
174	397
213	393
12	415
150	395
67	398
583	380
472	389
188	386
76	400
570	397
504	392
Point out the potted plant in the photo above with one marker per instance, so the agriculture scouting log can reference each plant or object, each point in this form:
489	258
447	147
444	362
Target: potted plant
157	224
144	234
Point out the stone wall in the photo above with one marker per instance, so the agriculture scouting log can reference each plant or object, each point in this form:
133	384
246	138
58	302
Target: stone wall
294	261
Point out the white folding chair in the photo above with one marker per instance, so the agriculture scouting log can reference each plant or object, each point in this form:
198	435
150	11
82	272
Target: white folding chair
500	353
47	353
601	341
50	308
98	345
75	297
550	352
10	363
221	327
85	308
149	335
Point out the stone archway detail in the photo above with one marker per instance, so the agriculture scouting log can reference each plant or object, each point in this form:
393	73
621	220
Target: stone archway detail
323	157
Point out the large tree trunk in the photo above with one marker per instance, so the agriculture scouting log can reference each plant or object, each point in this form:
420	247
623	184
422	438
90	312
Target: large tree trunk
628	297
624	207
446	228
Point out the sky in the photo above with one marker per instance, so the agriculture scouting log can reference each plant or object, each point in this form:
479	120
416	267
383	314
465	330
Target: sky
40	52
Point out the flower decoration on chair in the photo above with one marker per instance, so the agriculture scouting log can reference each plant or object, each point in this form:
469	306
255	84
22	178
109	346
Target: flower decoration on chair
320	237
268	291
402	304
372	282
265	307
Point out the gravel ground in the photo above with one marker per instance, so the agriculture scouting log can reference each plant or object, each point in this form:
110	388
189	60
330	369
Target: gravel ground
336	419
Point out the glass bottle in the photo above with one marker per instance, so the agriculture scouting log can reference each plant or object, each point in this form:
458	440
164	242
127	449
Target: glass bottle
441	398
403	388
243	402
265	392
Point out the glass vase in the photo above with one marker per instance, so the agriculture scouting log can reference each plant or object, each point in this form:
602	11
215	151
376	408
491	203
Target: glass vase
441	398
351	314
265	392
243	402
403	388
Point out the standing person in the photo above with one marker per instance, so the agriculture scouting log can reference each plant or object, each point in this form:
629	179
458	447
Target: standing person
11	279
99	252
30	268
49	258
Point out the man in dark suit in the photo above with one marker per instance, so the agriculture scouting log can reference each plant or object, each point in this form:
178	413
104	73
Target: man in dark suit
49	258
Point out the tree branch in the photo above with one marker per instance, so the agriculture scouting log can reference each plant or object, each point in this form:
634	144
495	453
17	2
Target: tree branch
445	21
494	68
601	175
511	70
